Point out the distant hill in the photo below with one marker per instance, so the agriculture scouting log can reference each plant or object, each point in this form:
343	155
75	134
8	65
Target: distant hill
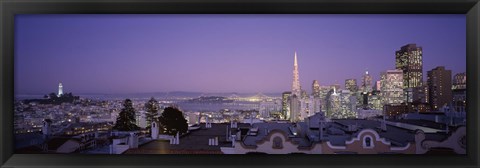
158	95
177	94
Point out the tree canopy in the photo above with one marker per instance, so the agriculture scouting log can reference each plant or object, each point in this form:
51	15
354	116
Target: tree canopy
172	121
126	118
151	107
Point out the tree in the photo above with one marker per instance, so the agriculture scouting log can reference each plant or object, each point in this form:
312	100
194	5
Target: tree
126	118
53	96
152	108
172	121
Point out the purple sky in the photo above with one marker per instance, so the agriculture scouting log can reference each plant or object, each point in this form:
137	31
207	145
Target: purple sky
221	53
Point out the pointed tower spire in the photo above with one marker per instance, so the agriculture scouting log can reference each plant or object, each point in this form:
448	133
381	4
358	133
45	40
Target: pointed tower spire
295	61
296	90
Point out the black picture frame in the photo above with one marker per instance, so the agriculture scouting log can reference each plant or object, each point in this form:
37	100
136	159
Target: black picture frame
9	8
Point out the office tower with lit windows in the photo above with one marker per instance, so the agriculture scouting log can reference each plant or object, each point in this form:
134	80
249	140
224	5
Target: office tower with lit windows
392	87
378	85
410	60
307	106
460	81
419	102
366	83
323	95
420	94
332	103
316	89
439	88
295	108
286	104
351	85
459	92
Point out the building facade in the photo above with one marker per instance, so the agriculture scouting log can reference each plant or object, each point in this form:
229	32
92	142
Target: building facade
439	88
316	89
268	107
460	81
286	104
392	87
351	85
366	82
410	60
459	92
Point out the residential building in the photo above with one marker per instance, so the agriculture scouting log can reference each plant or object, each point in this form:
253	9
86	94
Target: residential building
439	88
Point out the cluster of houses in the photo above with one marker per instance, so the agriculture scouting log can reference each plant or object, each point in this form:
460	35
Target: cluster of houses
315	135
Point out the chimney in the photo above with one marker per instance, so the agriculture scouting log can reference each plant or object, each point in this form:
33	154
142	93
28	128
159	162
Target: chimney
227	133
233	124
155	130
383	124
213	141
233	137
177	138
207	123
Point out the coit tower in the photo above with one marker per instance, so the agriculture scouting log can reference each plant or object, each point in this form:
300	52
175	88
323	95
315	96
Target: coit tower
60	89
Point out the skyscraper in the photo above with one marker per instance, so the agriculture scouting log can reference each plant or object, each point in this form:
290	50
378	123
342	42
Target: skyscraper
60	89
378	85
295	98
439	87
295	108
366	82
315	89
460	81
317	96
410	60
392	87
459	92
286	104
296	89
420	94
351	85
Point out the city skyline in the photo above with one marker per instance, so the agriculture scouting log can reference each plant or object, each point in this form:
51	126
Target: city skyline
222	53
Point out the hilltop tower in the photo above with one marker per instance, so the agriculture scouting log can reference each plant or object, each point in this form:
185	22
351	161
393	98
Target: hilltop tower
60	89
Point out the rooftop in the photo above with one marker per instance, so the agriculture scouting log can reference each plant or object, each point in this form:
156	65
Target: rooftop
288	128
193	142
